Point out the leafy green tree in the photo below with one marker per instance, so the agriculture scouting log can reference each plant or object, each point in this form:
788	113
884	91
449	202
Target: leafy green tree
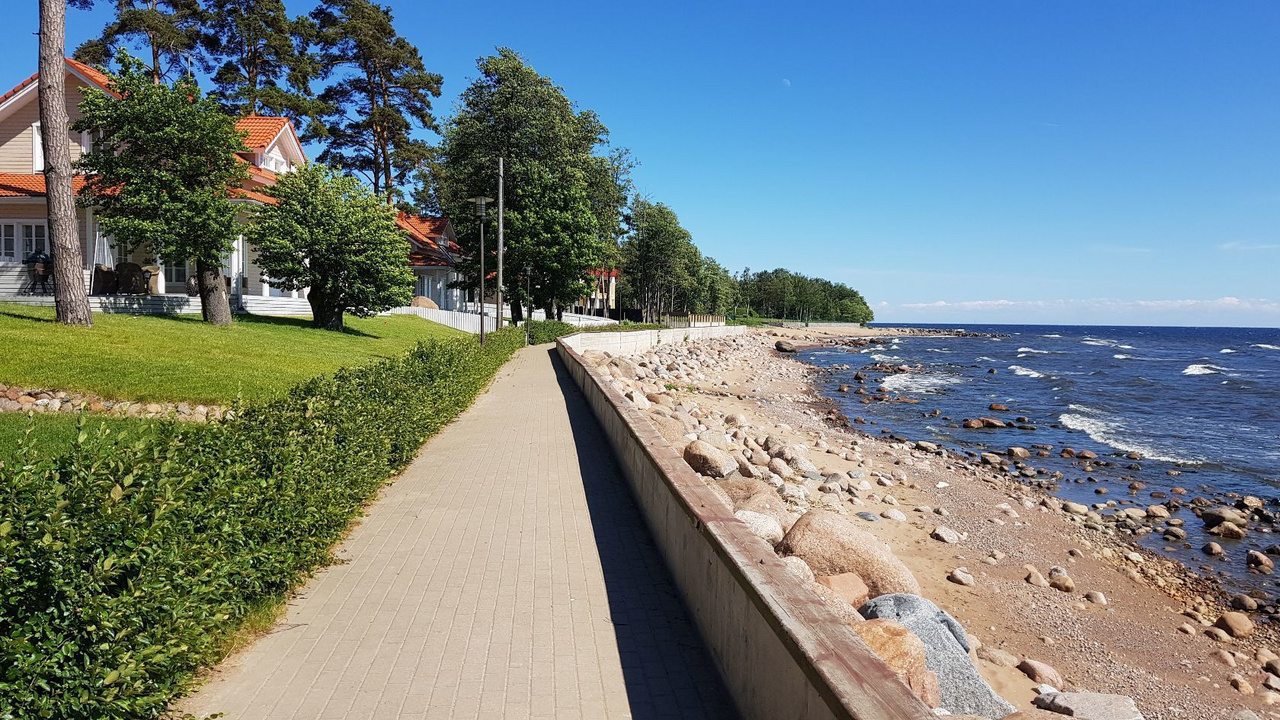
170	32
264	66
381	96
330	235
657	257
564	197
162	171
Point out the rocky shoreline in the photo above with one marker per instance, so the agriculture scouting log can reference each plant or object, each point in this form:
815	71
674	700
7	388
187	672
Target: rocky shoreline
1056	609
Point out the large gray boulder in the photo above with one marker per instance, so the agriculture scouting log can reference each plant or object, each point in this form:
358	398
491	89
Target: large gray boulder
962	689
832	545
1090	706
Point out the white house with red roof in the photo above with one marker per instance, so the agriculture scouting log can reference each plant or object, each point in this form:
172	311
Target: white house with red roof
273	149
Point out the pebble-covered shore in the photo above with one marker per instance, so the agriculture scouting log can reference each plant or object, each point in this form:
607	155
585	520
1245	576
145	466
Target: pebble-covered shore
1057	612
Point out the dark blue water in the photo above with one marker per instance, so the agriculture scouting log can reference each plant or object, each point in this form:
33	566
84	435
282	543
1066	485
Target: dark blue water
1202	402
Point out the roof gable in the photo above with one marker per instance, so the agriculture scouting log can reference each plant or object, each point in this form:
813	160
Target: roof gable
25	91
268	133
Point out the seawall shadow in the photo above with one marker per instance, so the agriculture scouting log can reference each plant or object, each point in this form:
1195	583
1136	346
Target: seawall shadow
667	669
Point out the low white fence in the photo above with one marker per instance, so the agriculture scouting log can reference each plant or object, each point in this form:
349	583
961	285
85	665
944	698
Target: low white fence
578	320
466	322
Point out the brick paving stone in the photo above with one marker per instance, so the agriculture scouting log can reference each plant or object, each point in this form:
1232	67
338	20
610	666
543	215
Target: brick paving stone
506	574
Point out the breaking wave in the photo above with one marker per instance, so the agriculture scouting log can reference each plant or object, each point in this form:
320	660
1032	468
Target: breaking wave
1203	369
885	358
1265	346
1107	432
914	383
1033	350
1025	372
1226	350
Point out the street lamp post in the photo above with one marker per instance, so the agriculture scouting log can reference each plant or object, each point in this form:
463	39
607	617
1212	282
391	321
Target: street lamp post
528	271
480	203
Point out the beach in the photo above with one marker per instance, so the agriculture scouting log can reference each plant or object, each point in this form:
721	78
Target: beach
985	547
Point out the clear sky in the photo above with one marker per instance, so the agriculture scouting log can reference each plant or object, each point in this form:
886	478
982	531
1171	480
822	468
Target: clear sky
1000	161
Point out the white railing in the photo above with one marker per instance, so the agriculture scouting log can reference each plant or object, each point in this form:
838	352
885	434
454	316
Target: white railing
466	322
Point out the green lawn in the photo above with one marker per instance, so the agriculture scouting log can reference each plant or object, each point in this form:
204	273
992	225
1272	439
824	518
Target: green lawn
181	358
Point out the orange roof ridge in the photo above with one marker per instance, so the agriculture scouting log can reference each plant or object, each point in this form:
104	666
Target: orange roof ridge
262	129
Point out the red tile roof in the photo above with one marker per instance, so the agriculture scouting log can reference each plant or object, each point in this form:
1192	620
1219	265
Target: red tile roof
30	185
94	75
253	195
262	130
427	234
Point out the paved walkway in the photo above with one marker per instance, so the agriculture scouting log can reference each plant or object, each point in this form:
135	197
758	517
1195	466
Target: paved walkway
506	574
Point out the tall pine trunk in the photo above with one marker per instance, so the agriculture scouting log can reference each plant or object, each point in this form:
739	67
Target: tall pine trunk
214	304
70	297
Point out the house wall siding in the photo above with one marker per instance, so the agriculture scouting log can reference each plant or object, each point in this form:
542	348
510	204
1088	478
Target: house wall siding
16	135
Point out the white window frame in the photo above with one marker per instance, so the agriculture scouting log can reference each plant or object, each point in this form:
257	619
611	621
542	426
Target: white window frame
170	278
17	253
37	148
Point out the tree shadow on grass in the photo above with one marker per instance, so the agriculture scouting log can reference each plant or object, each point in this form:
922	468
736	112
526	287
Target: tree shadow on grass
667	669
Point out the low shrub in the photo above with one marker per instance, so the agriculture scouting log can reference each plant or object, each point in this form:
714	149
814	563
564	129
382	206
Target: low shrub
128	561
545	331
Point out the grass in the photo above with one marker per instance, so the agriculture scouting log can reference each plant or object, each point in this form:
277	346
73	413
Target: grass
175	358
54	434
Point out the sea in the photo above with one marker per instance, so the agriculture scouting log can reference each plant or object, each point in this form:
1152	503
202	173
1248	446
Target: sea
1201	406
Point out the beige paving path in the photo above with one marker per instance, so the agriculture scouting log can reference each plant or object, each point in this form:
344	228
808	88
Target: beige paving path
506	574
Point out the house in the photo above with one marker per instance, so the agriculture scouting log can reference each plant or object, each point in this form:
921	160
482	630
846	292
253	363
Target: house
602	299
273	149
433	257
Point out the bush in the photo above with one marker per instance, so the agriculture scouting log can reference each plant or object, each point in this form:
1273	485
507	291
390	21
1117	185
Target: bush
545	331
127	562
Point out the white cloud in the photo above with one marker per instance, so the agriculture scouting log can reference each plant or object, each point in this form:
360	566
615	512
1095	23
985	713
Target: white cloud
1225	310
1237	245
786	82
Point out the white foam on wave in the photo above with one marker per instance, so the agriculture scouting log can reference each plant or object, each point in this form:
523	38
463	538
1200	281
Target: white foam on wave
1122	356
1025	372
1051	336
1107	432
938	350
1033	350
904	383
1203	369
1265	346
1226	350
878	357
984	358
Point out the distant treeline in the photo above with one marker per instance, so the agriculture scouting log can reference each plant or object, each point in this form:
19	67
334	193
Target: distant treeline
662	271
784	294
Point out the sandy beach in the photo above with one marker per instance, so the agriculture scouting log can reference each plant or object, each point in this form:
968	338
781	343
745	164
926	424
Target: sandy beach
980	544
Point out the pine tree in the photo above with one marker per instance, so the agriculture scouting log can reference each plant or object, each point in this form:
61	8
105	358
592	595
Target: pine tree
264	66
169	31
380	97
70	298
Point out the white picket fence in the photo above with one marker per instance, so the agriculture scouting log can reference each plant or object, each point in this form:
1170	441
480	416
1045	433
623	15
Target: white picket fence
466	322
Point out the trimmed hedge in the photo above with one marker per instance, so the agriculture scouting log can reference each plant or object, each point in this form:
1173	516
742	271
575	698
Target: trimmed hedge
127	562
545	331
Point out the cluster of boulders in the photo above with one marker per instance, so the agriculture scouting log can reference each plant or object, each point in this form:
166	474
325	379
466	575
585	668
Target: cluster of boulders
780	490
40	400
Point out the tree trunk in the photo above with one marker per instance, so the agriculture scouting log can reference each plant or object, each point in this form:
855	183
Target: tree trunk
325	314
214	305
70	297
517	311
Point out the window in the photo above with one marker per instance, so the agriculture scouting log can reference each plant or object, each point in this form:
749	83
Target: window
34	240
9	243
175	273
37	149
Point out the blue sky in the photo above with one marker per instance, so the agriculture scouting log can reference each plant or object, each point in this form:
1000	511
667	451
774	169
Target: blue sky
1084	162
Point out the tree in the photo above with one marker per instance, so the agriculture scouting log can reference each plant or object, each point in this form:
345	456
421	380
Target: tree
657	257
170	31
381	97
329	233
162	172
264	65
563	200
70	298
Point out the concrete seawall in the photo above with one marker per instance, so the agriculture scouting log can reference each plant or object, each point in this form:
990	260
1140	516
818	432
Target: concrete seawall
781	652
